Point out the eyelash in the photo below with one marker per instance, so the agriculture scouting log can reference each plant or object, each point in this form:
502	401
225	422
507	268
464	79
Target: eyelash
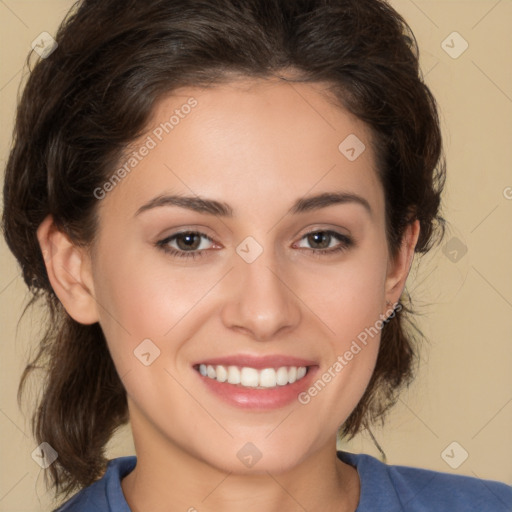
346	243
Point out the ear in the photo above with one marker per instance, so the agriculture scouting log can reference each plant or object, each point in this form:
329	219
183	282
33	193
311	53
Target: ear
69	271
399	267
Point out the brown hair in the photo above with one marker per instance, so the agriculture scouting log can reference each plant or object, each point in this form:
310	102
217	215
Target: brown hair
94	94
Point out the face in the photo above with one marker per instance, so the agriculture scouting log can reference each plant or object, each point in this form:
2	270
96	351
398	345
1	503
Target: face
259	282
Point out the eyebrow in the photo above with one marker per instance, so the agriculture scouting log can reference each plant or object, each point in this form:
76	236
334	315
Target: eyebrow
222	209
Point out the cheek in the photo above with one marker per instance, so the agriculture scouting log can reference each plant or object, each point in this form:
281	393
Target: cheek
349	302
347	297
142	297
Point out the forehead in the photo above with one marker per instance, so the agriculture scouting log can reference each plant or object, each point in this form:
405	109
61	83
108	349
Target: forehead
250	143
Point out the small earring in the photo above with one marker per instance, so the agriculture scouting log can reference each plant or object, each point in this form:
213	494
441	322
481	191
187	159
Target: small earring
388	319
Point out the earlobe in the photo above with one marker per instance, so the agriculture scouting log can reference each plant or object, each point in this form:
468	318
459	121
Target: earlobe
68	269
398	269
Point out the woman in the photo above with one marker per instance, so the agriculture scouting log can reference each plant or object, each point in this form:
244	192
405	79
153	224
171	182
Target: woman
220	202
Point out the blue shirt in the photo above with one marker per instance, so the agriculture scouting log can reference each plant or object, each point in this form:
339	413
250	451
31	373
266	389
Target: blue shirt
384	488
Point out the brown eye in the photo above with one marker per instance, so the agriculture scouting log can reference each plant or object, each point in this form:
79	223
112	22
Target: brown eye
187	244
320	242
186	241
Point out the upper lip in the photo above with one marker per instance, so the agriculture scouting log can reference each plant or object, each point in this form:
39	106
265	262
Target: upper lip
258	362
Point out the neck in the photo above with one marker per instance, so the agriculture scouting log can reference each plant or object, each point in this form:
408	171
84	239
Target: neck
167	477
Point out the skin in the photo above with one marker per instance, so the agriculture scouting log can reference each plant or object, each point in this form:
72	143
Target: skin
258	146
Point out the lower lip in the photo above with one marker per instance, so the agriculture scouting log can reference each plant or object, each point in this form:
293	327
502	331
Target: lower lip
259	399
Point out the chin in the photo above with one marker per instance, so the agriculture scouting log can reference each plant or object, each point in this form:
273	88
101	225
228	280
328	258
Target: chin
258	457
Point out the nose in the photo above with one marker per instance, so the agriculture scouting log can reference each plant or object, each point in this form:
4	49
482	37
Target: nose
262	304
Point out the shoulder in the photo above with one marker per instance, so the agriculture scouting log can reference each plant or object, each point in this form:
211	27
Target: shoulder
106	494
395	487
421	488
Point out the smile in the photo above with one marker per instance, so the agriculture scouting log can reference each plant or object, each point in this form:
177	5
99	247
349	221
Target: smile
251	377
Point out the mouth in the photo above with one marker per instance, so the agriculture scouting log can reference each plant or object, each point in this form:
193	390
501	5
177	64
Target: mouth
255	378
256	383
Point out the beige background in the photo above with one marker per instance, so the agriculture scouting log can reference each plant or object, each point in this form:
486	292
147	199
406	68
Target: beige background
463	392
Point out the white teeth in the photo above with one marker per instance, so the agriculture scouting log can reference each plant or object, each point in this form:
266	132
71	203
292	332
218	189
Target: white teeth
249	377
253	378
282	376
233	375
222	373
268	378
210	372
